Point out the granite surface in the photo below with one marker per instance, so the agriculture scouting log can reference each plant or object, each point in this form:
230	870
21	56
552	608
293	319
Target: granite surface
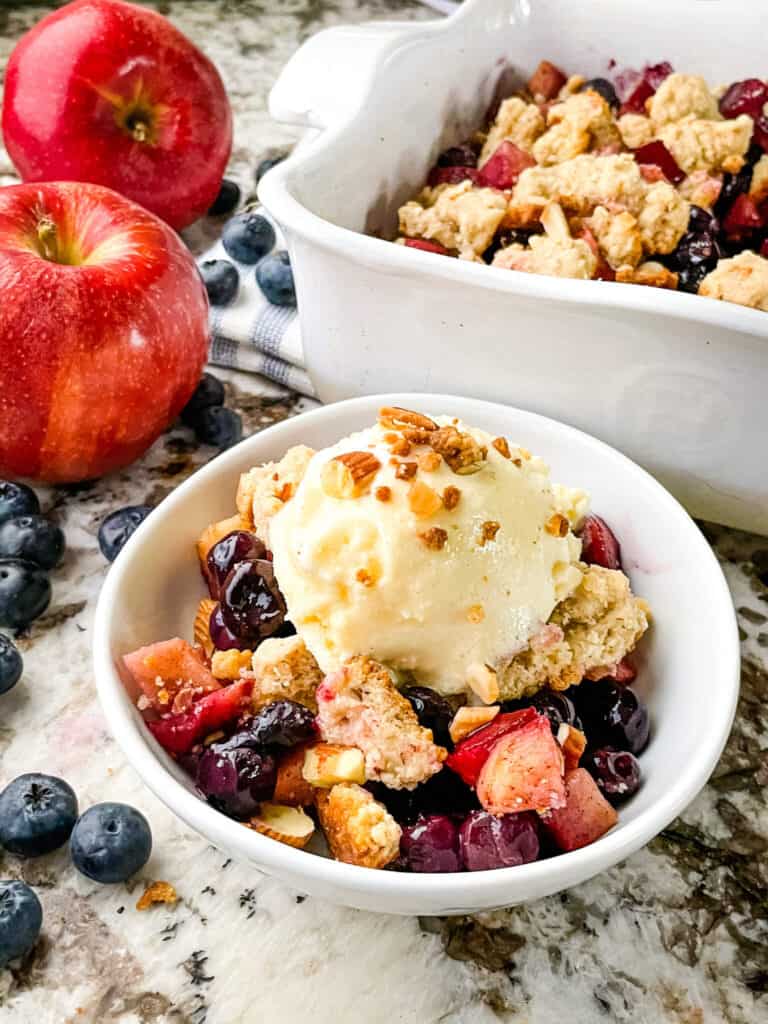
678	933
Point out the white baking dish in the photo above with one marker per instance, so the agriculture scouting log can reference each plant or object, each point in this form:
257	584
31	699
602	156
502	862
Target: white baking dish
678	382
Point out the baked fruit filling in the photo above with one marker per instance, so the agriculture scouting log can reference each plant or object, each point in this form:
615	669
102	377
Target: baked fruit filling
414	646
656	179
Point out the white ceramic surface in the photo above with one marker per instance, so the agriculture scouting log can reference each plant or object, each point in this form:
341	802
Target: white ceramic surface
677	381
689	662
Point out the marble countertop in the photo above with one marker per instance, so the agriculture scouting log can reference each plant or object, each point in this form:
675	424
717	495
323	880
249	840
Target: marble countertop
678	933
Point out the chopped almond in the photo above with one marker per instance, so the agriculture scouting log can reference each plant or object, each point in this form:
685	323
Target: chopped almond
488	532
326	764
483	682
451	496
290	785
289	825
394	418
468	719
574	743
202	628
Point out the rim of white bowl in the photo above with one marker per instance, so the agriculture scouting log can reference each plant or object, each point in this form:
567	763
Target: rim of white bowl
577	865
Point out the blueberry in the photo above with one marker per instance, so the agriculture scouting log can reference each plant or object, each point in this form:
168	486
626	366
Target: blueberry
252	606
208	393
25	592
612	715
11	665
224	639
701	220
267	164
17	500
488	842
516	236
733	185
21	918
458	156
606	90
219	427
226	200
616	772
118	527
110	842
226	553
690	277
558	708
32	538
283	723
235	778
275	278
221	281
444	793
37	814
433	712
432	844
696	248
248	237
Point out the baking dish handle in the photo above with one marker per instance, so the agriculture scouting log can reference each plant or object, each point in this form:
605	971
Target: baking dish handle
323	80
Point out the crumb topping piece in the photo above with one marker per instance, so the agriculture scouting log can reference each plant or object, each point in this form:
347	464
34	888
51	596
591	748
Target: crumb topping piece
435	538
358	828
451	497
502	447
488	532
461	451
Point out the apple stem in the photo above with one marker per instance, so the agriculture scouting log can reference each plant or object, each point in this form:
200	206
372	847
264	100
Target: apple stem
140	131
46	234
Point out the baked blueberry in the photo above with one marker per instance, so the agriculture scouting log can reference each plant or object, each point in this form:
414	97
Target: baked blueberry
110	842
234	779
283	723
11	664
252	606
226	200
605	89
612	715
616	772
33	538
219	427
432	844
21	918
17	500
221	281
275	278
433	712
118	526
458	156
37	814
487	842
248	237
25	592
209	392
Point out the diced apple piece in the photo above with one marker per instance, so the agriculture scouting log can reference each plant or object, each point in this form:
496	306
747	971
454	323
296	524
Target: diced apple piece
168	666
471	753
290	786
504	166
179	733
587	815
326	764
524	771
546	81
574	743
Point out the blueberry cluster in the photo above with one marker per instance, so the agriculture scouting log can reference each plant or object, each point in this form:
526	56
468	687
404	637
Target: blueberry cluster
38	814
248	238
444	827
212	422
30	546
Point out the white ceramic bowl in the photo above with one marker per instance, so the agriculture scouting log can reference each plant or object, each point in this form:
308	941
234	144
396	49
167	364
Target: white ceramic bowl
681	379
689	662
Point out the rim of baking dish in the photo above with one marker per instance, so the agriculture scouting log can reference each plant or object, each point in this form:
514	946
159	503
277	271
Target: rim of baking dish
562	871
275	193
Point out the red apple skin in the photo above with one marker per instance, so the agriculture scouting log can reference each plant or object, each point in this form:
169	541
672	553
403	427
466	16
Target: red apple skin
91	80
98	355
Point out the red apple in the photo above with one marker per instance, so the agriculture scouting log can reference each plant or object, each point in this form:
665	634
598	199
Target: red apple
108	92
103	330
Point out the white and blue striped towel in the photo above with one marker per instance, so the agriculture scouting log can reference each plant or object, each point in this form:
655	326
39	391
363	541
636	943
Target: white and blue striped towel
253	335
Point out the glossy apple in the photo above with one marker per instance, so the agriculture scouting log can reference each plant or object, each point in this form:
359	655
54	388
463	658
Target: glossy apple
103	330
112	93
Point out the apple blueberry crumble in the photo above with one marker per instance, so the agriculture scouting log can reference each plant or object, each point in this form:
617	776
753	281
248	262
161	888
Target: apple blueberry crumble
414	644
657	180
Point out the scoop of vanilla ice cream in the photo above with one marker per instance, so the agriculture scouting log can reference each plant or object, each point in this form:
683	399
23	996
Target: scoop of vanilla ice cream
367	574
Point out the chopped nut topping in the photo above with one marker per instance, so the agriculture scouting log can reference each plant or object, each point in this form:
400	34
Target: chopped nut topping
429	462
459	449
417	435
557	525
451	497
401	446
475	613
502	446
406	470
395	418
468	719
366	577
423	501
488	531
390	438
157	892
483	682
349	475
518	462
435	538
383	493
